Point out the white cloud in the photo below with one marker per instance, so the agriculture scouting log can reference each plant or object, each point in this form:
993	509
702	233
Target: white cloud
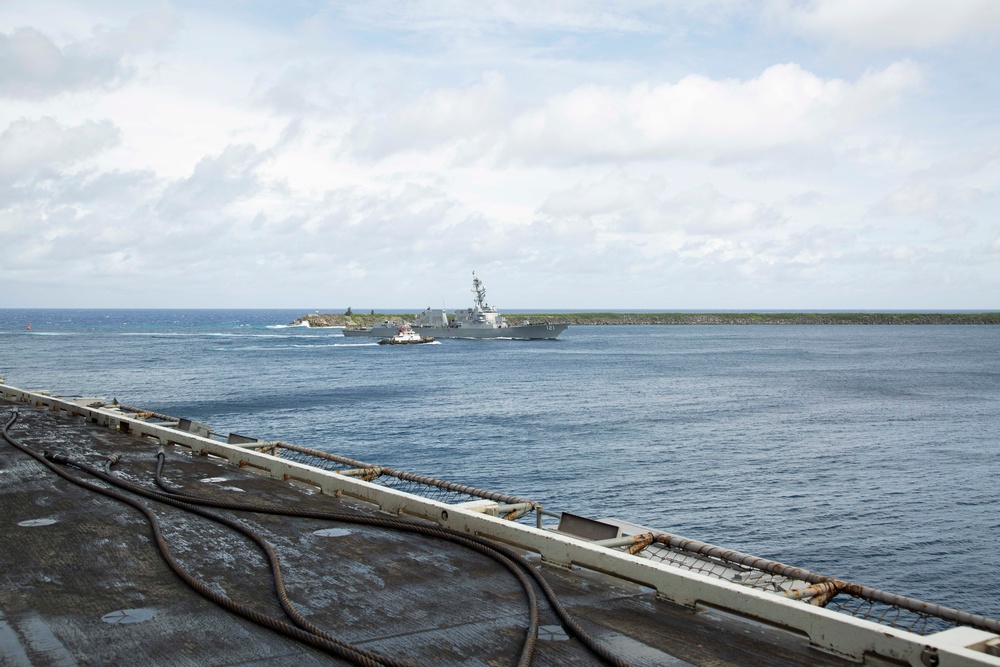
705	211
27	146
303	89
439	116
620	156
215	183
572	16
619	204
785	107
892	23
148	31
612	194
926	198
34	66
703	118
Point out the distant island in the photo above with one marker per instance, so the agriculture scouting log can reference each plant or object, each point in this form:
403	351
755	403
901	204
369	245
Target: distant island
351	319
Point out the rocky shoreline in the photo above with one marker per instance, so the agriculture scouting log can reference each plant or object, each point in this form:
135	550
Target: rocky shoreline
584	319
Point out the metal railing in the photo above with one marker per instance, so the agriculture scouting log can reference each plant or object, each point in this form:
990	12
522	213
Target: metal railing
508	506
871	604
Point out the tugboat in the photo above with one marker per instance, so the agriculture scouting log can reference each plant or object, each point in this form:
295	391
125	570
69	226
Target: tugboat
406	336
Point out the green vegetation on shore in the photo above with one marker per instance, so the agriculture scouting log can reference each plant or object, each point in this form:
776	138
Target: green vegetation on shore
359	320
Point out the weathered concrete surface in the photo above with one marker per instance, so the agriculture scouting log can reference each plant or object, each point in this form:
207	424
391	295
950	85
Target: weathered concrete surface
414	598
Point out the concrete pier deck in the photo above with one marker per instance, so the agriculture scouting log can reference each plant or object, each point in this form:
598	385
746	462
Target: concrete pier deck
83	582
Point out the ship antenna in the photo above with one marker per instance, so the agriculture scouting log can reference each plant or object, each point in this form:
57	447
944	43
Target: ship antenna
479	291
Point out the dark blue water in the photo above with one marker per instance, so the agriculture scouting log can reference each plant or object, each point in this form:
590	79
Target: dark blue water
869	453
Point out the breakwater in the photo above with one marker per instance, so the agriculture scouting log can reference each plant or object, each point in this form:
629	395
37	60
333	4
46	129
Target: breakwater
609	318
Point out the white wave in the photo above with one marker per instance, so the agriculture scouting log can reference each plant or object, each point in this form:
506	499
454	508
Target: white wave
202	334
317	346
289	326
433	342
305	347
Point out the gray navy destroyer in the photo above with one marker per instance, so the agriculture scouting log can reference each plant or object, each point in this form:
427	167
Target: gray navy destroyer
480	321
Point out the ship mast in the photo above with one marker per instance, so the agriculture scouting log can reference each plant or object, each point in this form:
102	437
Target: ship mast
479	291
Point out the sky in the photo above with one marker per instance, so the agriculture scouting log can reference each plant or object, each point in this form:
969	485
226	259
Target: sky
681	154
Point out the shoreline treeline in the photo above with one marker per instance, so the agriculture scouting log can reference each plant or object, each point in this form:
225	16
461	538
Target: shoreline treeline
583	319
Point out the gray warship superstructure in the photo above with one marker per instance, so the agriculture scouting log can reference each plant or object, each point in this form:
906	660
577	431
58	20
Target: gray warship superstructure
480	321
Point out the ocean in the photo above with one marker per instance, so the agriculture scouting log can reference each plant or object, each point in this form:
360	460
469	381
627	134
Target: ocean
870	453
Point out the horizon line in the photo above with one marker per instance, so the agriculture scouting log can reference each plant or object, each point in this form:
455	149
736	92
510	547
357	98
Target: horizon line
388	311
